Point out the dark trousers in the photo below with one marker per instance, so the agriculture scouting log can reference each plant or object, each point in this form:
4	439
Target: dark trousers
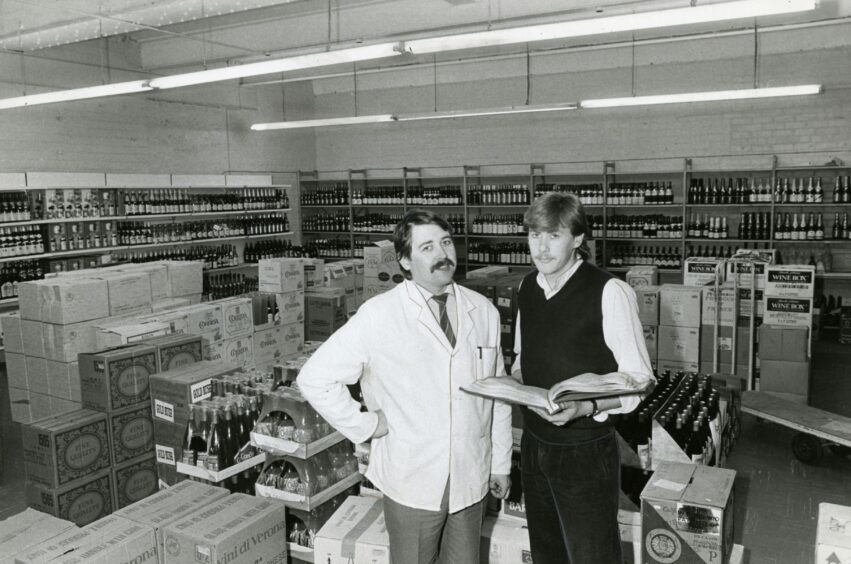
571	494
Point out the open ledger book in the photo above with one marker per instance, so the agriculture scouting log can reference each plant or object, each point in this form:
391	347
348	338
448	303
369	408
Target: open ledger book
581	387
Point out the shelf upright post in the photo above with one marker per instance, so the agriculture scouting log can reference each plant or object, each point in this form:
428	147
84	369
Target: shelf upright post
352	174
771	225
470	172
687	176
608	169
535	170
410	173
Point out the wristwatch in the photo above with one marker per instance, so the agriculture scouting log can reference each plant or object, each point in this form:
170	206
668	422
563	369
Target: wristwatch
596	410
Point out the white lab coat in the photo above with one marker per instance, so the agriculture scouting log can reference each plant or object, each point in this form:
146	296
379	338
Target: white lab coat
406	367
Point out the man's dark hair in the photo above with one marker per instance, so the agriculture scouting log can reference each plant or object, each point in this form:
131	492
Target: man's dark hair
559	209
402	233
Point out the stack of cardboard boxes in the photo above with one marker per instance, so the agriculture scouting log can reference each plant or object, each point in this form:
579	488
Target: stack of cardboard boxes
381	270
678	338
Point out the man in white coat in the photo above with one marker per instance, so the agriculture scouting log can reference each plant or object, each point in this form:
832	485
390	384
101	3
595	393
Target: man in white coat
436	450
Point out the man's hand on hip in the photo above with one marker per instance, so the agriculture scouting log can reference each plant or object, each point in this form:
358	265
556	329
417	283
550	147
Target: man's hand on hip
381	429
500	485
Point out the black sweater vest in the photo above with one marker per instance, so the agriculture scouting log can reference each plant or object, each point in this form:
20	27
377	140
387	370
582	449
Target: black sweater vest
561	338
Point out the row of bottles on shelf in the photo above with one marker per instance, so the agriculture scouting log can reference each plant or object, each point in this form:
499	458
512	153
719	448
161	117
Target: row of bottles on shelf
639	193
754	225
637	226
336	222
15	206
435	196
498	194
13	273
379	196
329	248
318	473
588	194
21	240
272	248
705	226
786	190
376	222
229	284
141	233
633	255
336	194
499	253
169	200
213	257
217	431
808	228
80	235
490	224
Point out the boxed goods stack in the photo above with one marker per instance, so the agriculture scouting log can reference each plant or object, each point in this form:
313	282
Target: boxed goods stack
833	534
687	514
356	532
648	314
784	364
641	276
237	343
679	328
720	321
381	270
280	334
326	311
67	460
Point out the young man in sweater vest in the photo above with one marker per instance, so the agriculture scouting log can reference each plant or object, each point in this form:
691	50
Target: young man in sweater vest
574	318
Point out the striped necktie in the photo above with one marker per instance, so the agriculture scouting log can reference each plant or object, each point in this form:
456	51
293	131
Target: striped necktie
443	317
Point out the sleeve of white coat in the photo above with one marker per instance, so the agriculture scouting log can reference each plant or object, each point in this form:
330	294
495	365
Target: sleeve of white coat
502	440
624	335
323	379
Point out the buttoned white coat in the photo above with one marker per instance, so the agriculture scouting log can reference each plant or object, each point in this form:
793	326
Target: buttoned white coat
407	368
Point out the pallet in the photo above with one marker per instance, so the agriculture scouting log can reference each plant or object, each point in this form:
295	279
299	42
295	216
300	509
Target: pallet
810	422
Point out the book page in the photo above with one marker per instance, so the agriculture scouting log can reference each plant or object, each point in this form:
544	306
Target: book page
510	390
588	385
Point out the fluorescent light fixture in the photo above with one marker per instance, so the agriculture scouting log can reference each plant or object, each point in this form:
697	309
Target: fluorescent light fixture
488	112
76	94
323	122
286	64
711	96
593	26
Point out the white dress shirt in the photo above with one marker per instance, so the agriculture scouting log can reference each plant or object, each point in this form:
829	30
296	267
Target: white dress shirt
622	332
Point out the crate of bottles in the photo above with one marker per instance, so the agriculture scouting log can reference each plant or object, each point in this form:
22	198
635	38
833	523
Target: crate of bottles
307	483
289	425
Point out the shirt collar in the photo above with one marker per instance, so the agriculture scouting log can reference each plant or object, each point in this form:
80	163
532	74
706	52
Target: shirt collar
560	281
449	289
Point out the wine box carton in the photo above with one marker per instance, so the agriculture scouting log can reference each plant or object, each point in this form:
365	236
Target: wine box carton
127	292
796	312
134	544
281	275
743	271
185	278
81	501
639	276
379	261
176	351
237	317
356	532
134	480
833	534
32	335
64	343
680	305
10	325
131	433
326	311
168	505
504	541
27	529
237	529
117	378
172	392
687	514
790	280
61	449
700	271
72	540
238	351
679	343
116	334
276	309
729	306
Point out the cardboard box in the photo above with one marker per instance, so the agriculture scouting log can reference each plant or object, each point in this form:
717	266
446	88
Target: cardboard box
168	505
203	320
699	271
63	300
238	351
16	370
313	272
784	376
790	280
134	543
833	534
743	272
37	375
783	343
638	276
124	332
173	391
81	501
72	540
274	310
128	292
725	344
27	529
679	305
651	341
238	529
63	380
689	507
745	306
134	480
157	274
679	343
281	275
131	433
326	312
64	448
31	333
237	317
729	306
648	304
185	278
380	262
796	312
504	542
63	343
10	325
356	532
117	378
176	351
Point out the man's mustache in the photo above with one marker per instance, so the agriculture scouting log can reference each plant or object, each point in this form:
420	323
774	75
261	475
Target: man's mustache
442	263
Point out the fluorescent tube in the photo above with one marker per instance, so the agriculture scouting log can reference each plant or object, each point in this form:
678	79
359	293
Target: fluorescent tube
323	122
709	96
488	112
76	94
